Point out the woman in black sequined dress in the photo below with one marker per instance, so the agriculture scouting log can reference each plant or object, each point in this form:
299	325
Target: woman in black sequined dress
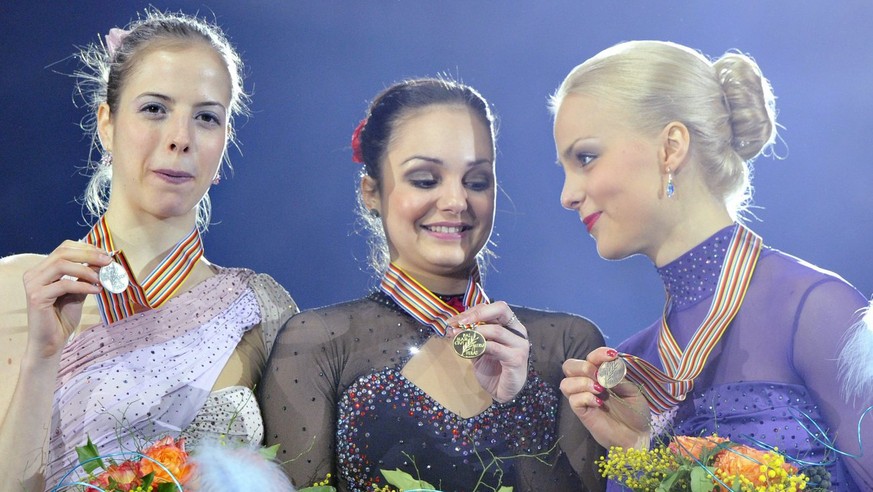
374	384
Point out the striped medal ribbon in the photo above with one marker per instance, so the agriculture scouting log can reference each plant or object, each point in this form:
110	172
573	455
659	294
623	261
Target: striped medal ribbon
158	286
421	303
665	389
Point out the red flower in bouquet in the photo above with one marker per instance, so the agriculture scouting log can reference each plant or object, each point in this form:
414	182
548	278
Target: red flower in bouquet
123	477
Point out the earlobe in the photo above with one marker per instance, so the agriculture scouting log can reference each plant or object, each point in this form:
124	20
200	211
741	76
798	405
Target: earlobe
104	126
370	193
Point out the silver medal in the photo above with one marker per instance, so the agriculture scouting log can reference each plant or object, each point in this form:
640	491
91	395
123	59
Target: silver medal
611	372
113	278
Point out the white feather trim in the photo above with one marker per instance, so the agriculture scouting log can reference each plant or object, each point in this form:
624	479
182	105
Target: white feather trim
856	361
223	468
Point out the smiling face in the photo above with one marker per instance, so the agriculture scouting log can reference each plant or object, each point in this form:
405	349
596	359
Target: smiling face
437	193
169	131
611	177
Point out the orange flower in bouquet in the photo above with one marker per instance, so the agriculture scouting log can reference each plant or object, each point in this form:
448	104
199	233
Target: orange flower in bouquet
161	467
165	466
744	465
172	455
694	448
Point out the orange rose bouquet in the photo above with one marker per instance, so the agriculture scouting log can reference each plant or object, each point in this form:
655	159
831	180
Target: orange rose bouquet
705	464
166	466
161	467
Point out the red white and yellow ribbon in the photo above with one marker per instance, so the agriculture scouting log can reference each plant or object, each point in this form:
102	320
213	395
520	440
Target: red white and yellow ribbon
665	389
424	305
158	286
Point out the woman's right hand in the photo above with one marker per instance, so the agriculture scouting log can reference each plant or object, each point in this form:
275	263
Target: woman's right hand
615	417
56	288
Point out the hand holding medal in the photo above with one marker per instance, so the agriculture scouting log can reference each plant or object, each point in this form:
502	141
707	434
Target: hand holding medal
496	340
487	333
612	408
56	288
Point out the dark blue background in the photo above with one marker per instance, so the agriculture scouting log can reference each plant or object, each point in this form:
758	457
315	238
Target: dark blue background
312	67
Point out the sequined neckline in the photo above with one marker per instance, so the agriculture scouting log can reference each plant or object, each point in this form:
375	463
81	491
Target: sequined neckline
693	276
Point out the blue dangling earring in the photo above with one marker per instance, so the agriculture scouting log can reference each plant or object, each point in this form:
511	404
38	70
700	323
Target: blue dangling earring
670	189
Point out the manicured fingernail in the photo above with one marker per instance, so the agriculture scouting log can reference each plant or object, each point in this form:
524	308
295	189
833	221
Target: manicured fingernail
612	353
598	401
598	388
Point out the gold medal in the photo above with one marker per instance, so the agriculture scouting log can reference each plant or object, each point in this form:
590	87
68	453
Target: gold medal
611	372
469	343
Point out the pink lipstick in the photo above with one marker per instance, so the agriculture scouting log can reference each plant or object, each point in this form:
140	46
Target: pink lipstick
590	220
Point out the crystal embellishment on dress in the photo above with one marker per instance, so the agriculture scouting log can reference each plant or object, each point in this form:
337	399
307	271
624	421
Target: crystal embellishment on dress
693	276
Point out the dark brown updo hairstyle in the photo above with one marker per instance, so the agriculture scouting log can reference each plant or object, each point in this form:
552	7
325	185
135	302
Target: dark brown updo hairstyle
389	109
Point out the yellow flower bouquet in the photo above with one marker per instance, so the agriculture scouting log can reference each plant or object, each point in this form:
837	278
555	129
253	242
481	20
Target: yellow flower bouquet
704	464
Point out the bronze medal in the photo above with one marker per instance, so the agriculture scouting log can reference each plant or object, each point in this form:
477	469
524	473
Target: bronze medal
469	344
611	372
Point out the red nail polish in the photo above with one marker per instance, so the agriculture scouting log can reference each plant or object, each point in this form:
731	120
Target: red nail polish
598	388
612	353
599	402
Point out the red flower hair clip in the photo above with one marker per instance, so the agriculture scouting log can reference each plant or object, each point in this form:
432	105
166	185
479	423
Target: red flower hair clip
357	153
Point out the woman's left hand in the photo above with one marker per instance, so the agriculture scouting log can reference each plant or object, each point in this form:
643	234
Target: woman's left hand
502	369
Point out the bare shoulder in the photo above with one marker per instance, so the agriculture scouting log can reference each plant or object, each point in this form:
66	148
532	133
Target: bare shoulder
19	263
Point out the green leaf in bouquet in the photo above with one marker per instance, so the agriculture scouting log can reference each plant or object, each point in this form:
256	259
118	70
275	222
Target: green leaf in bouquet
168	487
404	481
86	454
701	479
670	480
318	488
505	488
147	480
270	453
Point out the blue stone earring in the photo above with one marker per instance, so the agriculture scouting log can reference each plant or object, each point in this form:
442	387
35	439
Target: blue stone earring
670	189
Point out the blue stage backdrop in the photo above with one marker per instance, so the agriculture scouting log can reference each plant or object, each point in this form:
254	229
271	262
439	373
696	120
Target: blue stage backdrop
312	66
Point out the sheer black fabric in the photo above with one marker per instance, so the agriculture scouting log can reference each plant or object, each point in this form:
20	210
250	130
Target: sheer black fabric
334	398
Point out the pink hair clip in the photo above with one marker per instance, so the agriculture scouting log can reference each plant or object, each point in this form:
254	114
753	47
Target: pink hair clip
114	39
